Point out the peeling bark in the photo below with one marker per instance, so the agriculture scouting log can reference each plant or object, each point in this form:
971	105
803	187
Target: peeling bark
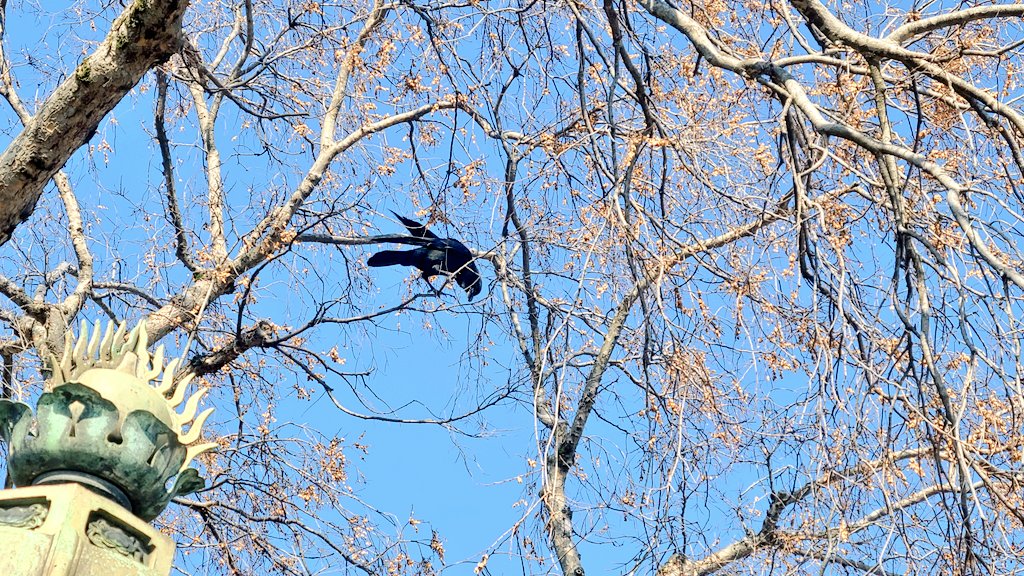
144	35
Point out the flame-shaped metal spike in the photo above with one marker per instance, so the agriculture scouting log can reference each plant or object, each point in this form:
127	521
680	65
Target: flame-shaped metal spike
94	341
106	344
57	378
179	391
190	407
158	362
130	343
79	352
129	363
66	361
142	351
192	451
196	429
117	344
168	380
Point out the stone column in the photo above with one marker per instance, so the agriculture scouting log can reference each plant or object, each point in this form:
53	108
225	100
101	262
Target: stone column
94	462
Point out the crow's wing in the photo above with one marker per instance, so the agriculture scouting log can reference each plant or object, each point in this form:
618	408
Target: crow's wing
468	277
459	261
415	228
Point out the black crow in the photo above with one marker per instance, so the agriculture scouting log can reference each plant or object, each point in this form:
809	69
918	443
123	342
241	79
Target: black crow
436	256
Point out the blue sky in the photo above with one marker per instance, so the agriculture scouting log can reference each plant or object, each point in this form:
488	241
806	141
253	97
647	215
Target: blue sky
464	485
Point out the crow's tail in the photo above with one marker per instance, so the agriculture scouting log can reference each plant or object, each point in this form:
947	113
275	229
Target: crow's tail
393	257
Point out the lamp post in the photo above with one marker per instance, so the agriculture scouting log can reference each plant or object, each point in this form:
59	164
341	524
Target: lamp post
103	454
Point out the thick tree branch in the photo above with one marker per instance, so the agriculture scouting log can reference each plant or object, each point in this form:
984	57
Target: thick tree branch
255	336
314	238
84	271
348	65
206	114
144	35
954	18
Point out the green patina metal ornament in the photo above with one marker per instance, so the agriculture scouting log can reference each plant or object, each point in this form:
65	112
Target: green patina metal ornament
101	423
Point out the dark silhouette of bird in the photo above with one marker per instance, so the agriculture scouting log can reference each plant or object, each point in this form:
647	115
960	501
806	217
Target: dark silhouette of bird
436	256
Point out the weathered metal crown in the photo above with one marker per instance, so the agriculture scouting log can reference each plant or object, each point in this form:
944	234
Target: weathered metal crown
102	424
130	356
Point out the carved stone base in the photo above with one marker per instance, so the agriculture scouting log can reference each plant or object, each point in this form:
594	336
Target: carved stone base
67	530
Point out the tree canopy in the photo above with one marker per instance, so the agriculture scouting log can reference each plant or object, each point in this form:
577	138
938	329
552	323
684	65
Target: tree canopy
752	270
